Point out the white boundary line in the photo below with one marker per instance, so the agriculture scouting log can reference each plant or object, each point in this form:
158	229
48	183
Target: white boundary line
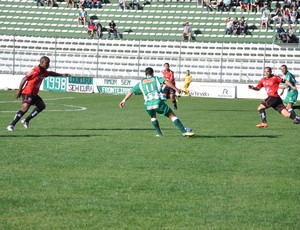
73	107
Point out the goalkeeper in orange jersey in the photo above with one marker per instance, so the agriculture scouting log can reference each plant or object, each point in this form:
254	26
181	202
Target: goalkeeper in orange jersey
187	80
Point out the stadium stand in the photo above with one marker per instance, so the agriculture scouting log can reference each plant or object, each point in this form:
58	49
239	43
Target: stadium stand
150	37
156	21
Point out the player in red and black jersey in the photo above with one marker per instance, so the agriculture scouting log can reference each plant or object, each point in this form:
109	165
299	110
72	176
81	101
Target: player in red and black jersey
29	88
271	83
169	92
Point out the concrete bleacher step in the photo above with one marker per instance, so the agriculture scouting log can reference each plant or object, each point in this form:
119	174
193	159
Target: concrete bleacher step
156	14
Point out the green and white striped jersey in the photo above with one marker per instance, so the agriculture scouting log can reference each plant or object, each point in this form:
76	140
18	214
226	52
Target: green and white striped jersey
151	88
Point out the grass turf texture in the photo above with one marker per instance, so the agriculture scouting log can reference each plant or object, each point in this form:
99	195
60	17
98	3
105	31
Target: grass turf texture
103	168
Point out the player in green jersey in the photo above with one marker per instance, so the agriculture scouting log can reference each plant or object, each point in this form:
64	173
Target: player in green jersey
292	95
150	87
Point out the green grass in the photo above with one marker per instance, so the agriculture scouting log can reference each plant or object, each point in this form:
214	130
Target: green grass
103	167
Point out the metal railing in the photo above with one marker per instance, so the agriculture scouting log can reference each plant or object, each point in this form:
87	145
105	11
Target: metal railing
215	63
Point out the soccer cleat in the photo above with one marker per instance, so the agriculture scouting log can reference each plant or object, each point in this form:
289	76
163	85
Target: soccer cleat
296	121
158	135
262	125
25	124
188	134
10	128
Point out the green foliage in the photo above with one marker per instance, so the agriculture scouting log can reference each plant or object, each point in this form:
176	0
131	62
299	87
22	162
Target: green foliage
103	167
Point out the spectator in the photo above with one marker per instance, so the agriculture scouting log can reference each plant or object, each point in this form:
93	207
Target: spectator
82	16
220	5
207	4
81	3
113	29
245	5
294	15
236	26
91	28
72	2
228	29
243	26
122	4
95	3
187	31
135	5
277	17
277	4
38	2
264	19
286	16
227	5
254	5
281	34
99	30
291	34
287	4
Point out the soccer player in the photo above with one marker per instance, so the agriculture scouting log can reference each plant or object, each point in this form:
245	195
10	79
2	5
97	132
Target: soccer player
168	91
292	95
150	87
28	89
187	80
271	83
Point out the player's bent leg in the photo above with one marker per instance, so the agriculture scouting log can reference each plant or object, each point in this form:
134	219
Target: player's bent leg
179	125
262	113
293	116
40	106
155	123
18	116
173	99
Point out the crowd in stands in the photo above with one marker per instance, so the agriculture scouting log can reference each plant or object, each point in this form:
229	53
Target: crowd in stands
283	13
236	26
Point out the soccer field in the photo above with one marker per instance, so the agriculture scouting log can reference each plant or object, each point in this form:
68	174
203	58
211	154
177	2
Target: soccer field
86	164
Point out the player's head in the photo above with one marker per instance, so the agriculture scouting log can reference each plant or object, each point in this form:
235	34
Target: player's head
188	72
167	66
149	71
45	62
283	69
268	71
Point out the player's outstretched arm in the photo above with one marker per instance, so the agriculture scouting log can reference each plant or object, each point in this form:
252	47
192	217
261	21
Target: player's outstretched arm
290	85
254	88
170	84
122	103
21	86
282	87
51	73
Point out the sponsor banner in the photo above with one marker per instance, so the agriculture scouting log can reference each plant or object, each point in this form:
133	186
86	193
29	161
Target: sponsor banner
113	89
116	82
210	90
80	84
114	86
80	80
56	84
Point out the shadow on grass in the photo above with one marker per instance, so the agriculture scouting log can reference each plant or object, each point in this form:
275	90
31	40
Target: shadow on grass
227	110
237	136
53	135
122	129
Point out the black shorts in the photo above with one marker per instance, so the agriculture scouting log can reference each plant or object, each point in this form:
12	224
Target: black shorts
274	102
31	99
167	91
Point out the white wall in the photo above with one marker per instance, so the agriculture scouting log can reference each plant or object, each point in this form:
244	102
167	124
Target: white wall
198	89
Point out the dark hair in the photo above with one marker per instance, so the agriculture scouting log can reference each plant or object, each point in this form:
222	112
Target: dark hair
269	68
149	71
284	66
167	64
45	58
